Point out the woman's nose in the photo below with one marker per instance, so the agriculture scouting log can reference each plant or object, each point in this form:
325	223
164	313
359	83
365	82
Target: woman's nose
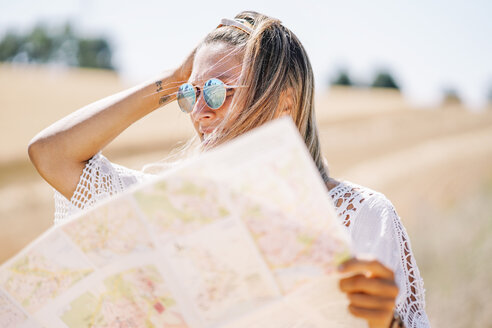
201	111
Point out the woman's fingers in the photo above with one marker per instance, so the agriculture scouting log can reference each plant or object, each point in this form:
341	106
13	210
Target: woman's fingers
366	301
376	317
372	267
374	286
371	290
184	71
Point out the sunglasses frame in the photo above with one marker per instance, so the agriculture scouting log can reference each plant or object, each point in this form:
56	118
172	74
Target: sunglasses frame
202	92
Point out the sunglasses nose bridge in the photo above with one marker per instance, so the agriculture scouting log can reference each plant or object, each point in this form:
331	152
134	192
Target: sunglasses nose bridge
201	110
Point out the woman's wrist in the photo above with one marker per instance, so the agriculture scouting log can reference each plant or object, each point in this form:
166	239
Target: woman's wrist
162	89
182	73
178	75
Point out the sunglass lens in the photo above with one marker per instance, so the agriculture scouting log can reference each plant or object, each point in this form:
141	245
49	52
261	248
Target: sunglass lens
214	93
186	97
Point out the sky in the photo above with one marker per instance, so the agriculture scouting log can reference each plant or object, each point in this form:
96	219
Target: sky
427	45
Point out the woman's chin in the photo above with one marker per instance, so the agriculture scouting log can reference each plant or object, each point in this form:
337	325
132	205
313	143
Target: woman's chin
205	139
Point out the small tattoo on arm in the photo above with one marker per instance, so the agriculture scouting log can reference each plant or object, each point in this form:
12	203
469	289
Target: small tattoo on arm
163	100
158	84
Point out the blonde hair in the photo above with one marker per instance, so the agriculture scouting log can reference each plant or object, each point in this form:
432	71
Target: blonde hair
275	66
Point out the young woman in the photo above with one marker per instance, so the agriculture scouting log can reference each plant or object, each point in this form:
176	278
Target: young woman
246	72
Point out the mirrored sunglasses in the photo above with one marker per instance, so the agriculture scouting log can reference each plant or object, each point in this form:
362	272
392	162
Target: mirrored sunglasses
214	94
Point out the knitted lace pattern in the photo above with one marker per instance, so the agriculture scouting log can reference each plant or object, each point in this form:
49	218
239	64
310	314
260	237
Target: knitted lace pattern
99	179
377	231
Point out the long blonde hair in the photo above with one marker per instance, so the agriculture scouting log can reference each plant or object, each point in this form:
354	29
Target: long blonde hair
275	66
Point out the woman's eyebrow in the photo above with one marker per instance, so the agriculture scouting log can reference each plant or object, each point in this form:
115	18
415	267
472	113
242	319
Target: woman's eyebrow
226	77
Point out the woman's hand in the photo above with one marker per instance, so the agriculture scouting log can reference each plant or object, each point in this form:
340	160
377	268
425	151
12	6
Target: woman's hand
183	72
371	290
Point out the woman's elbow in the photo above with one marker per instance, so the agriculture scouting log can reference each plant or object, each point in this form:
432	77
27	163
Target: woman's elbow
42	155
53	166
36	153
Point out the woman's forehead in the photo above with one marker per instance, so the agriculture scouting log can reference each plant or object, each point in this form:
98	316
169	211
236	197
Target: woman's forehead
216	60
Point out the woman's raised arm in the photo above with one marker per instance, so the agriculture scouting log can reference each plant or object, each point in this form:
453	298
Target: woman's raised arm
61	151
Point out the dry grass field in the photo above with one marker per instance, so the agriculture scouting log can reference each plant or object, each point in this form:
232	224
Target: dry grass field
434	164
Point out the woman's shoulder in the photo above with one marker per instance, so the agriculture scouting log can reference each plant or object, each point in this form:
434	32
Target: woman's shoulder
351	200
100	179
117	177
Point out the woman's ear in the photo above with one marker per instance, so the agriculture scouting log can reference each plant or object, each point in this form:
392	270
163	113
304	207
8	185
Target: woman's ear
286	103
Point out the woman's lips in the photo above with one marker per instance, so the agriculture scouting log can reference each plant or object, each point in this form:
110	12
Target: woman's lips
207	130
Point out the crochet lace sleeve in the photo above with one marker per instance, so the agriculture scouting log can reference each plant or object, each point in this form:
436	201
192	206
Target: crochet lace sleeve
99	179
377	230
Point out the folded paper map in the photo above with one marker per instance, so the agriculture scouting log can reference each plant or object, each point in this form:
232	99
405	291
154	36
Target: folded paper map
240	236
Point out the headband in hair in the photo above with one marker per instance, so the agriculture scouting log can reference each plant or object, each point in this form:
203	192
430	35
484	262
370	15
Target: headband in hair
237	23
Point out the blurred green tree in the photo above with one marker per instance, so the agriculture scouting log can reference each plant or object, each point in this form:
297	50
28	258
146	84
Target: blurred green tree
451	96
384	79
57	45
94	53
10	46
39	44
342	78
489	95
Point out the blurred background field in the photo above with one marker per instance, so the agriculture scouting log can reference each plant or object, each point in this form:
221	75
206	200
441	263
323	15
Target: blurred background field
434	164
403	108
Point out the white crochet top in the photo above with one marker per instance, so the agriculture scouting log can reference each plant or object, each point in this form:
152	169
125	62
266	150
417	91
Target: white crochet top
370	218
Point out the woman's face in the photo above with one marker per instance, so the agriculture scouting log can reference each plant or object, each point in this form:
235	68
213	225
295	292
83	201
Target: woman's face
221	61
